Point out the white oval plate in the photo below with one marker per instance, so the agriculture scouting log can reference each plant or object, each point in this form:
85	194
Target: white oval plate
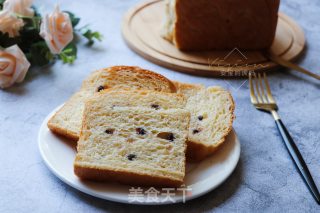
59	153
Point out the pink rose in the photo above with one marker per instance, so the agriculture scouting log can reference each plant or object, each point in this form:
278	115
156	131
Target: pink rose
21	7
9	23
13	66
57	31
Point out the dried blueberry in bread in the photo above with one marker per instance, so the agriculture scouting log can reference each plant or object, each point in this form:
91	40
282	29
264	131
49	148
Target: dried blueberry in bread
147	148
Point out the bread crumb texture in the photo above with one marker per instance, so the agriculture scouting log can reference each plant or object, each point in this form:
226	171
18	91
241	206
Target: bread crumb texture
136	140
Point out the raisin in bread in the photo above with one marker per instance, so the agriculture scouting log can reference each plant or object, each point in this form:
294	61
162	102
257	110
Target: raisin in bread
67	121
139	145
220	24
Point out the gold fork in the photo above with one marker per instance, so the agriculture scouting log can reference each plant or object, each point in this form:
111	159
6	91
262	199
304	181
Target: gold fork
290	65
262	99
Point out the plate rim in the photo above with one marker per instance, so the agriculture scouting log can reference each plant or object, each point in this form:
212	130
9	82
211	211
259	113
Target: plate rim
91	192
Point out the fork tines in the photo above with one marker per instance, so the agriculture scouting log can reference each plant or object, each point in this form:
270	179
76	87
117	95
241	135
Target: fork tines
260	92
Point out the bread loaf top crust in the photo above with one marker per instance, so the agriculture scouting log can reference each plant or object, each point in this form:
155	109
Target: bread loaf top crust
128	77
221	24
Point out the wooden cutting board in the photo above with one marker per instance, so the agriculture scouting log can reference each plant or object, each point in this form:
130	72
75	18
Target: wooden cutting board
141	30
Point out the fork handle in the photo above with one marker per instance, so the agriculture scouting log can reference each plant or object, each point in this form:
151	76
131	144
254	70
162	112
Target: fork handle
298	159
291	65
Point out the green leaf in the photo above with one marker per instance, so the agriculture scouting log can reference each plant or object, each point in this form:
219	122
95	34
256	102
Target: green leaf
31	23
6	41
74	20
69	53
40	54
1	4
91	36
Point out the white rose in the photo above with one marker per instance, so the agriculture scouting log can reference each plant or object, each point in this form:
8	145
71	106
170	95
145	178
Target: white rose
57	31
9	23
13	66
21	7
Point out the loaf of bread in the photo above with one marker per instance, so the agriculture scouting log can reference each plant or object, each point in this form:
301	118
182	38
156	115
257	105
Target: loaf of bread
220	24
67	121
134	142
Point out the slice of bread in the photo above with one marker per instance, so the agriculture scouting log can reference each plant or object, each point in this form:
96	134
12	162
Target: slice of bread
138	145
67	121
212	114
127	77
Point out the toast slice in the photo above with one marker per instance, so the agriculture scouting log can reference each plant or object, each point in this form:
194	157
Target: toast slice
67	121
137	145
212	115
127	77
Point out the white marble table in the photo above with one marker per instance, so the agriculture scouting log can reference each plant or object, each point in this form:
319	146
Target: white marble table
265	179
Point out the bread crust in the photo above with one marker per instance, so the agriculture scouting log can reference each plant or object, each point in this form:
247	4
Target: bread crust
58	129
73	136
145	72
126	177
188	89
224	24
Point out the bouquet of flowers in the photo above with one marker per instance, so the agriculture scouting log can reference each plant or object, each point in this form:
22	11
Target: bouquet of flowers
28	39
